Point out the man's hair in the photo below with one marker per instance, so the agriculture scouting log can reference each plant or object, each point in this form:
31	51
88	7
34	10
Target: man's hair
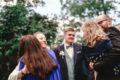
106	16
69	29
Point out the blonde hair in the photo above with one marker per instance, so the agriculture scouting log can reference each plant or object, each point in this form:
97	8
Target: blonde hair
93	33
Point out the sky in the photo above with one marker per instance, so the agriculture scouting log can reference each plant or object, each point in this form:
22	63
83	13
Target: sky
51	7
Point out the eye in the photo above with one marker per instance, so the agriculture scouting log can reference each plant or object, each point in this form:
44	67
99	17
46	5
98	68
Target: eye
100	22
71	35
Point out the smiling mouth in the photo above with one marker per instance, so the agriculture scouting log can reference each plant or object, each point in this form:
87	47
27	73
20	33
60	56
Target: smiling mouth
71	38
44	44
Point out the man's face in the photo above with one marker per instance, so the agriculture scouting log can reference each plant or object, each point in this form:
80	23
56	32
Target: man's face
42	40
69	37
103	22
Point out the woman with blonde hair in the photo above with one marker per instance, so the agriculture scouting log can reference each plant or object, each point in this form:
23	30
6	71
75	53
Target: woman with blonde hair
95	45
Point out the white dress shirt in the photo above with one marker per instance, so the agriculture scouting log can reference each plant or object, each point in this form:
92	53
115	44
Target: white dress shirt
69	50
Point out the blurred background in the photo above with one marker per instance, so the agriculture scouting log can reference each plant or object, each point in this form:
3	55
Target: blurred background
20	17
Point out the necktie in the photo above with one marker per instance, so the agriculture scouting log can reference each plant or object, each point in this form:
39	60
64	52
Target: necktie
68	46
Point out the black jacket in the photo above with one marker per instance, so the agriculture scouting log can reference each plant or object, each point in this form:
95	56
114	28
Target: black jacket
80	70
105	67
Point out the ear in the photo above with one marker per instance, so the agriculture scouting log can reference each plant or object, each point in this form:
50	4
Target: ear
64	35
109	23
118	28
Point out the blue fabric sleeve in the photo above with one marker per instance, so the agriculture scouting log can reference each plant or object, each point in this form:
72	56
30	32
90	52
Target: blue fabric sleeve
52	54
21	64
109	43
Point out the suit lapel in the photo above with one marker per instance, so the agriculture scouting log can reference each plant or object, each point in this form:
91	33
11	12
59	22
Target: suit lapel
64	60
75	55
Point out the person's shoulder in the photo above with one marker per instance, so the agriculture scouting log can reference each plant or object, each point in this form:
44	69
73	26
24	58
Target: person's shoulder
112	29
76	44
59	47
52	53
107	38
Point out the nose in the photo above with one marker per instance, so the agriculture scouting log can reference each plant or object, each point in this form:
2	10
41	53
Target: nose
100	24
44	40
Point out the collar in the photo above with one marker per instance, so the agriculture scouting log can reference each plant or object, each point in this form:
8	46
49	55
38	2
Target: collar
65	45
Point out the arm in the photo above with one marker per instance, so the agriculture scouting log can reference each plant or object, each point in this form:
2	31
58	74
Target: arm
14	74
109	45
114	54
114	36
109	61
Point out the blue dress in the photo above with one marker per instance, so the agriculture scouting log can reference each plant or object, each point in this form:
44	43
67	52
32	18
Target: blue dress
55	75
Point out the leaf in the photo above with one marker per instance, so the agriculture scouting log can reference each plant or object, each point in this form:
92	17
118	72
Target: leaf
8	53
61	1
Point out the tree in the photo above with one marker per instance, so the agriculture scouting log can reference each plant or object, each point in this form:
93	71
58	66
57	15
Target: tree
43	24
29	3
13	23
16	21
87	8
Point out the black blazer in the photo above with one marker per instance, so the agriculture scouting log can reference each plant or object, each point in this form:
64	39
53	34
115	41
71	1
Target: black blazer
105	67
80	69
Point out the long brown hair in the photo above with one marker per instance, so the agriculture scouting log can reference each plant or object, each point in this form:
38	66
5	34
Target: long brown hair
37	59
92	33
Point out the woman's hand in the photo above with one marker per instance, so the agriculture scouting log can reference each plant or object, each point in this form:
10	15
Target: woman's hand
91	65
25	70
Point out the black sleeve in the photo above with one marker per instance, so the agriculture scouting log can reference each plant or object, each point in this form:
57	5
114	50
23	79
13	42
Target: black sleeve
108	61
114	36
113	57
84	56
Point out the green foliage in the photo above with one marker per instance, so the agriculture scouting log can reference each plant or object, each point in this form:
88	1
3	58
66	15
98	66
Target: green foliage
35	2
16	21
88	8
38	23
12	23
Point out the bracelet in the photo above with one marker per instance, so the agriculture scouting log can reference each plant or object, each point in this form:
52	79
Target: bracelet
22	73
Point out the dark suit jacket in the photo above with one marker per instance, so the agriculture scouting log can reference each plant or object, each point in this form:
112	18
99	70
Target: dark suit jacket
80	69
105	67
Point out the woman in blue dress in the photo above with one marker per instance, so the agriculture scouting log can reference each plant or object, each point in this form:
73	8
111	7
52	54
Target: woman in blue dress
36	62
96	45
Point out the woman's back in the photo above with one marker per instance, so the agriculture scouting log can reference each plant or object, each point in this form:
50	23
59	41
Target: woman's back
96	53
55	74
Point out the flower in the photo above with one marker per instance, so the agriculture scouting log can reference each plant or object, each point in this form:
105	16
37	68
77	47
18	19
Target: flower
62	54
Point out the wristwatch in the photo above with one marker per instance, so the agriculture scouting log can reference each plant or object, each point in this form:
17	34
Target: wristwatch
23	74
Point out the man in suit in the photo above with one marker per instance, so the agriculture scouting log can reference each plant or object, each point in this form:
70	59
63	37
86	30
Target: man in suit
70	58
